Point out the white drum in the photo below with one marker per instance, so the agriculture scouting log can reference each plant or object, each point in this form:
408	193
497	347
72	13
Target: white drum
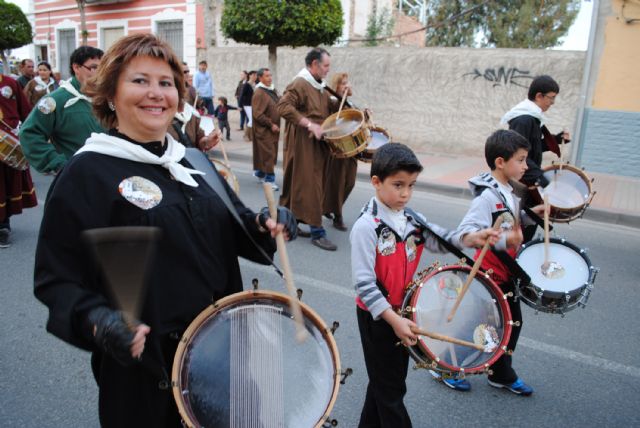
560	290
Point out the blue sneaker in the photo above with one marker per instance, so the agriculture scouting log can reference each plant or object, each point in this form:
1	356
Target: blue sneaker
452	382
518	387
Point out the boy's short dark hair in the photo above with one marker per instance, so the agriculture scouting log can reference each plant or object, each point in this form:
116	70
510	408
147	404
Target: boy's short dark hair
223	100
82	54
543	84
392	158
503	144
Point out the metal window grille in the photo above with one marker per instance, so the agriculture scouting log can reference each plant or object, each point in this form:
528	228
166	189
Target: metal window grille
66	46
171	32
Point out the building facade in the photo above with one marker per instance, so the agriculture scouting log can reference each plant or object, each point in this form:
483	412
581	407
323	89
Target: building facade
57	26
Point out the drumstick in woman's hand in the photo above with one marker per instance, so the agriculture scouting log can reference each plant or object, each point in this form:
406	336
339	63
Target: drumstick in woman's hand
301	332
344	97
472	274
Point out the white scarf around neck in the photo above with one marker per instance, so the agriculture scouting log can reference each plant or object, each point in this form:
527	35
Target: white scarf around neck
186	114
77	96
306	75
123	149
269	88
41	83
526	107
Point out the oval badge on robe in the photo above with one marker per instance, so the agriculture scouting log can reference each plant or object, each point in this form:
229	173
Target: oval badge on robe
140	192
6	91
47	105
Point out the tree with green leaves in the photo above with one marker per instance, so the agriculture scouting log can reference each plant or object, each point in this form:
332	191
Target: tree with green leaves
282	23
15	30
379	25
534	24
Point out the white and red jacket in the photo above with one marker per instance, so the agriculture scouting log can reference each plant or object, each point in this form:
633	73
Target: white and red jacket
386	246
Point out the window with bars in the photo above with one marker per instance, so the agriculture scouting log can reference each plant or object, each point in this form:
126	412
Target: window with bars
66	46
171	32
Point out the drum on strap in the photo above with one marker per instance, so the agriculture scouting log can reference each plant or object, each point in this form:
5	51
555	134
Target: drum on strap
379	137
483	320
225	172
348	134
11	151
240	365
563	288
569	191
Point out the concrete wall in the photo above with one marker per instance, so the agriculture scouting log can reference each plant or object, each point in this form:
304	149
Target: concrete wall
434	99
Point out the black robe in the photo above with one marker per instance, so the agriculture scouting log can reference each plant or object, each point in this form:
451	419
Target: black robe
196	263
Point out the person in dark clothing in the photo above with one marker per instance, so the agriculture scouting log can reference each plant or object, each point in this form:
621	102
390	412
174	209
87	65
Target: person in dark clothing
527	119
245	101
136	175
221	113
243	115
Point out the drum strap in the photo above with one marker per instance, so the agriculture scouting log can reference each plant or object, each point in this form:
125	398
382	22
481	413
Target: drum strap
446	244
513	267
199	161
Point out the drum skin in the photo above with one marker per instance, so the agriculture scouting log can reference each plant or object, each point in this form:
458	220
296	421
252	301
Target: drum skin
556	295
207	370
11	151
346	135
483	312
379	137
569	190
225	172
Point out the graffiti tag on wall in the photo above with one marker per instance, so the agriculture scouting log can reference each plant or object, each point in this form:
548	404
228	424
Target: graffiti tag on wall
502	76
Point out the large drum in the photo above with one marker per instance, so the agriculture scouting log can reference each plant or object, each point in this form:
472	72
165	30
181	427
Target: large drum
240	365
11	151
379	137
563	288
569	191
348	134
483	319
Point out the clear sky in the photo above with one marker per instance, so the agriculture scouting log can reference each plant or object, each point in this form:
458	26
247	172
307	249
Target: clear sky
577	39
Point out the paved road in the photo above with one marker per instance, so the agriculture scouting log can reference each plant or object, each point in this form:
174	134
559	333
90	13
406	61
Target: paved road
584	367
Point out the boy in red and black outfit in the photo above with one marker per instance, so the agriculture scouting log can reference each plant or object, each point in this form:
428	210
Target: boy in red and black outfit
387	241
506	155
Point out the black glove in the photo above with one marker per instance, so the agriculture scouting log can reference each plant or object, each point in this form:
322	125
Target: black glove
112	334
285	217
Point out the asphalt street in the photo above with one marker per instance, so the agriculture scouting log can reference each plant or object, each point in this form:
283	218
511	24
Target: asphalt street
584	367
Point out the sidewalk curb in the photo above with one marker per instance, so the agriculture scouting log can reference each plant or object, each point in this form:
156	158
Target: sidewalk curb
593	214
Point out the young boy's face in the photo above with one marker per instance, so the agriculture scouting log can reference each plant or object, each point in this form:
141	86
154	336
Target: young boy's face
396	190
515	167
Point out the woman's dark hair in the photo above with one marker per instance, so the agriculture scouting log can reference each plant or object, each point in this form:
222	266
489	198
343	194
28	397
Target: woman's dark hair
102	87
46	64
392	158
542	84
503	144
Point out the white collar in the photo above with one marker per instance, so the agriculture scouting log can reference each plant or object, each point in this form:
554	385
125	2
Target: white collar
77	96
123	149
186	114
304	74
39	81
526	107
263	86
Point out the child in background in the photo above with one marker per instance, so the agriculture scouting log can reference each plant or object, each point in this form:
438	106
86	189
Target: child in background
221	113
386	244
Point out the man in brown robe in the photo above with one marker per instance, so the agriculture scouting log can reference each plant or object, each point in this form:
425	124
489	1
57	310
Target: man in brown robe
266	128
304	105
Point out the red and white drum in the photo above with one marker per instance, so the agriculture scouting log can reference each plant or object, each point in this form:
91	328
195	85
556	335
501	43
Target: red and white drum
240	365
483	319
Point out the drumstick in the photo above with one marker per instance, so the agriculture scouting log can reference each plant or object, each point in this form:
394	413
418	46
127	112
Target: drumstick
344	98
546	230
444	338
301	332
224	152
472	274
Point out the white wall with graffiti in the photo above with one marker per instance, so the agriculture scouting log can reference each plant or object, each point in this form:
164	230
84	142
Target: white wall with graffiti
434	99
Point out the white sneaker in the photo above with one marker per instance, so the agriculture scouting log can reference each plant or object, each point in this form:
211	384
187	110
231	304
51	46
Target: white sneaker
275	187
